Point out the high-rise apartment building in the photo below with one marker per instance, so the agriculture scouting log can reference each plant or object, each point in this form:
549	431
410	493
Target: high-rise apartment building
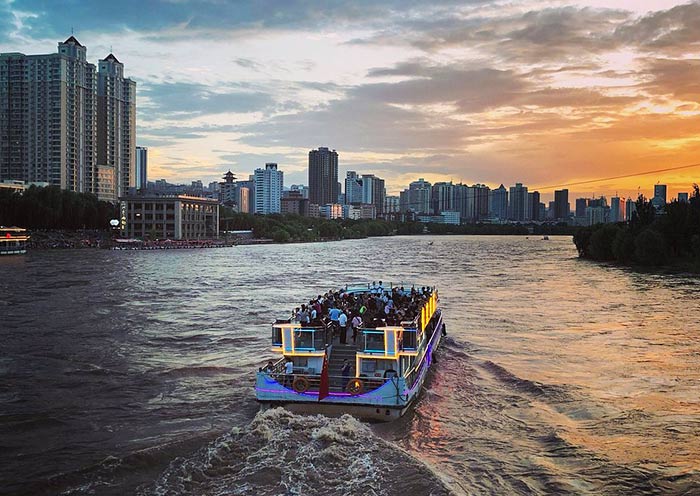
417	198
517	208
498	203
116	117
561	204
353	188
268	189
533	206
373	192
443	197
48	118
64	123
323	176
659	200
617	210
141	168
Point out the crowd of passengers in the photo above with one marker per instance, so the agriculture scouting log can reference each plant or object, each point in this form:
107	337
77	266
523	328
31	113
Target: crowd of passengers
378	307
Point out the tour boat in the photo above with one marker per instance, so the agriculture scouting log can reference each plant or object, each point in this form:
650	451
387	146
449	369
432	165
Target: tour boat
13	240
388	363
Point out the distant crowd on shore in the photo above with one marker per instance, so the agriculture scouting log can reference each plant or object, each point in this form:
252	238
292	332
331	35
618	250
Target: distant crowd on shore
64	239
377	307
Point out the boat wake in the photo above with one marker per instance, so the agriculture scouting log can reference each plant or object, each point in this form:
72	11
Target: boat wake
283	453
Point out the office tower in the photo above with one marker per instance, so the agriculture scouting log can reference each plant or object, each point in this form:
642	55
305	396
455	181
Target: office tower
533	206
142	167
116	117
48	118
323	176
353	188
682	197
268	189
517	208
498	203
561	204
373	192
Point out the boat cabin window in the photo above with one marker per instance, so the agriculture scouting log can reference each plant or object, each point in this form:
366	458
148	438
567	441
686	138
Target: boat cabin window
276	336
373	340
369	366
304	339
408	341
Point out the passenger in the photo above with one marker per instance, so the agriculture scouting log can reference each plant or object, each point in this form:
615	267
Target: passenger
304	316
345	370
289	372
269	368
356	324
343	326
390	373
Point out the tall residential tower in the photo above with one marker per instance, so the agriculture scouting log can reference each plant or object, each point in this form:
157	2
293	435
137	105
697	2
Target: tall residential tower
323	176
48	114
116	123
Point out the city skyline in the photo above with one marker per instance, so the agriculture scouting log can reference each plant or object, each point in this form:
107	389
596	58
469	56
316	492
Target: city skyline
543	93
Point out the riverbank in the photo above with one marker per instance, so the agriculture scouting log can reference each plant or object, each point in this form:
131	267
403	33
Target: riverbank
666	240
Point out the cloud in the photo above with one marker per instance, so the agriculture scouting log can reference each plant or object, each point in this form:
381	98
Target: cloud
193	99
674	31
677	78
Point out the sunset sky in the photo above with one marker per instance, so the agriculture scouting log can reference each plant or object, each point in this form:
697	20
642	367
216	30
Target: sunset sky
540	92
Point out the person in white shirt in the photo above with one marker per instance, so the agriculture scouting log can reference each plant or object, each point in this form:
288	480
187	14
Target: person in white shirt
343	324
355	324
289	371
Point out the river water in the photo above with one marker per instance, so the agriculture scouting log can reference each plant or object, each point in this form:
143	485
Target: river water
132	373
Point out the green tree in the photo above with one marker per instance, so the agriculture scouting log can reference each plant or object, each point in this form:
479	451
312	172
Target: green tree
650	248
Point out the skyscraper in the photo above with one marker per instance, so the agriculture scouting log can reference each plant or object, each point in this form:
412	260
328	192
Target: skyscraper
659	200
517	208
443	197
142	167
48	118
116	118
268	189
418	197
533	206
323	176
561	204
353	188
373	192
617	210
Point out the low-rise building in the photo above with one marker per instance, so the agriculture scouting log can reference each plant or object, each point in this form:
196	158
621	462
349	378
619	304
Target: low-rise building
169	217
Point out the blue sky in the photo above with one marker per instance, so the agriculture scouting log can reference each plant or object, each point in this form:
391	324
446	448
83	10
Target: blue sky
542	92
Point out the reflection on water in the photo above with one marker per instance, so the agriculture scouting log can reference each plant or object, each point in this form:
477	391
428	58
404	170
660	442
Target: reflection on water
120	369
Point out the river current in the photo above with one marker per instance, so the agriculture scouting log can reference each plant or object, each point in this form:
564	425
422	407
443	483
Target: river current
132	373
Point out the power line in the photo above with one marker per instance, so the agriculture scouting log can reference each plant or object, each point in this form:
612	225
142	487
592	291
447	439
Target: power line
590	181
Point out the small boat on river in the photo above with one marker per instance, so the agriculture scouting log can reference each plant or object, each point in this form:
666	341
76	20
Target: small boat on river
13	241
371	362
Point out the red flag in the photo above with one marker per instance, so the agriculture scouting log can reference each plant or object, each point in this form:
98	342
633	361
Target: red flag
325	381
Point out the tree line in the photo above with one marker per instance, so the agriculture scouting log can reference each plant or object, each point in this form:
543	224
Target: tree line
670	237
51	207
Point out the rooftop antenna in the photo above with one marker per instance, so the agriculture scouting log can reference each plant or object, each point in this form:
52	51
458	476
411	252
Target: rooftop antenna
71	30
110	49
